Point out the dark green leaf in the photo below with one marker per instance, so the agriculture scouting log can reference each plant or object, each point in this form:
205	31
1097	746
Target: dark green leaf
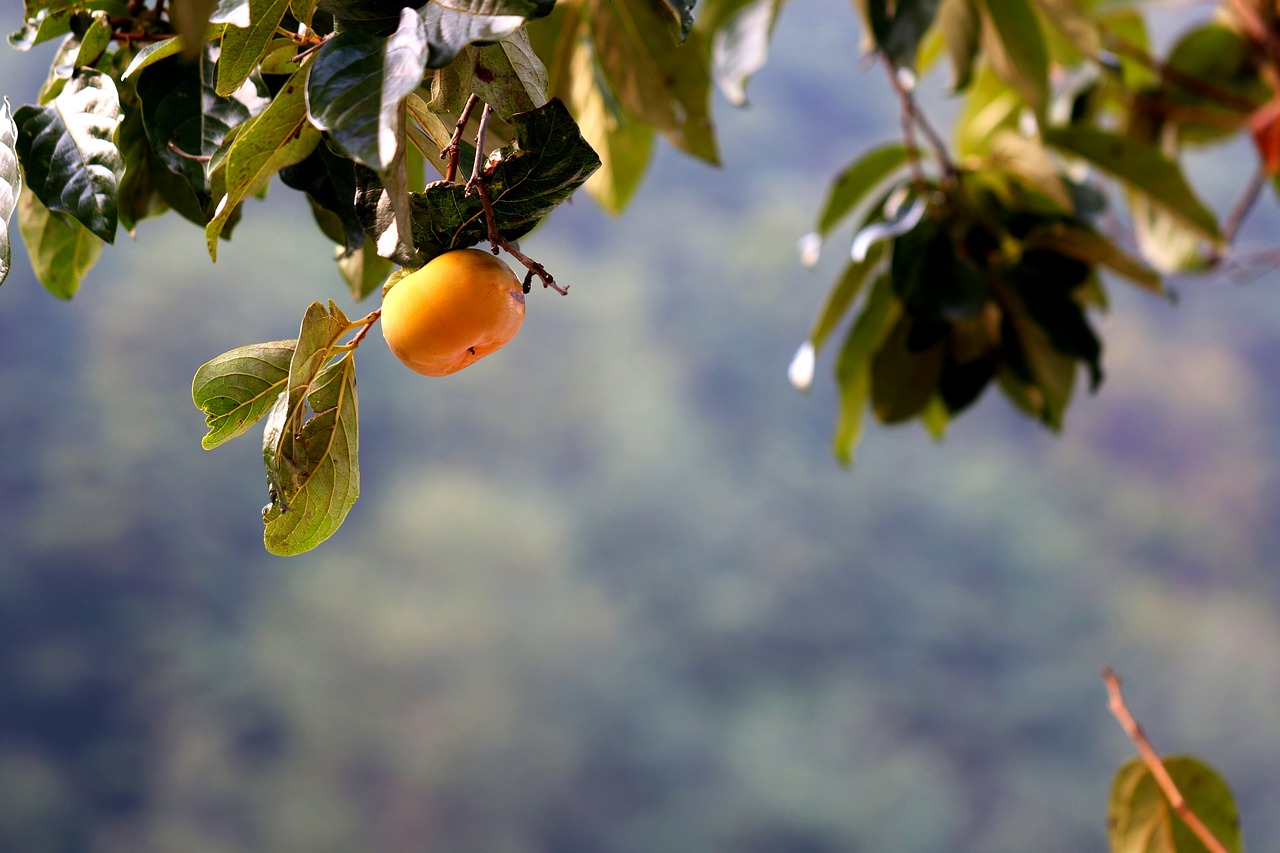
364	271
740	47
330	182
138	196
186	120
61	249
934	285
543	167
898	29
1055	310
153	53
902	378
857	181
358	84
1045	377
10	185
1141	167
1141	820
79	49
279	136
1085	244
237	388
656	78
961	24
242	48
1014	45
853	367
68	154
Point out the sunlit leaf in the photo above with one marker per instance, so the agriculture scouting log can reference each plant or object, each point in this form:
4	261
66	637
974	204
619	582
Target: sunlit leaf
357	85
233	12
509	76
450	28
1014	45
236	389
79	49
857	181
1140	818
843	294
279	136
151	54
10	184
1140	166
243	47
853	366
740	47
68	152
61	249
961	24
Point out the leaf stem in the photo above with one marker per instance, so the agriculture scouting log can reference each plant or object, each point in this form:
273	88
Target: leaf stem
1152	759
454	149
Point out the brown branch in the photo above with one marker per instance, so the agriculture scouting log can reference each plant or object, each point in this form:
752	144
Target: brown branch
479	161
1152	759
454	149
1244	204
913	118
368	321
496	240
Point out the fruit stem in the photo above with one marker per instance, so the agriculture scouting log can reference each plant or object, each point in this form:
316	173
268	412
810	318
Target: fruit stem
366	323
496	240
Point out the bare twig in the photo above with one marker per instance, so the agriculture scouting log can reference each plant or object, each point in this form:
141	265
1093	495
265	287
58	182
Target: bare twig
913	118
199	158
1152	759
368	321
496	240
1244	204
454	149
479	162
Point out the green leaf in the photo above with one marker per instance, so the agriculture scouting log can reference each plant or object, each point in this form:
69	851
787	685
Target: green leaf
138	196
543	167
237	13
1014	45
853	366
68	154
80	49
1046	376
311	462
1142	167
191	20
857	181
843	295
1085	244
61	249
1141	820
624	145
358	84
279	136
904	379
509	76
238	387
683	12
740	47
961	24
451	27
242	48
151	54
898	31
45	25
10	184
330	184
656	78
186	121
363	270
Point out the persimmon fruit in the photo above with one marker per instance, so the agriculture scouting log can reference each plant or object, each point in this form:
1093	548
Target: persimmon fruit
460	307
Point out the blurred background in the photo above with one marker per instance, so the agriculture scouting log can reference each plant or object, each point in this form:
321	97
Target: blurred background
608	591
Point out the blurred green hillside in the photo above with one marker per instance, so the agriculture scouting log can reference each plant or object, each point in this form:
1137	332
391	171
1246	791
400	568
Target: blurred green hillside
608	591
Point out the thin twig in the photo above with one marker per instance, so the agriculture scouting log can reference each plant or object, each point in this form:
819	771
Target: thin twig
454	149
368	321
1152	759
496	240
913	118
1244	204
199	158
479	162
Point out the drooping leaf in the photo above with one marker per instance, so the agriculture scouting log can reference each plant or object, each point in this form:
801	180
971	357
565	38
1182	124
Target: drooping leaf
236	389
543	167
61	249
1027	159
358	84
624	145
186	121
1014	44
242	48
740	47
68	154
904	379
138	197
1045	376
330	183
961	24
509	76
1141	167
191	20
385	211
151	54
657	79
936	286
843	295
1085	244
10	184
856	182
363	270
279	136
853	366
1141	820
898	28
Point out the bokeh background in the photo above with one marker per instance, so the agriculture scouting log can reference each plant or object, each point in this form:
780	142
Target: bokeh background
608	591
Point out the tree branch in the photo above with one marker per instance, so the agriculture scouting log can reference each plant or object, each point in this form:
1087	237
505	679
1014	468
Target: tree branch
912	118
496	240
454	149
1152	759
1244	204
479	161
